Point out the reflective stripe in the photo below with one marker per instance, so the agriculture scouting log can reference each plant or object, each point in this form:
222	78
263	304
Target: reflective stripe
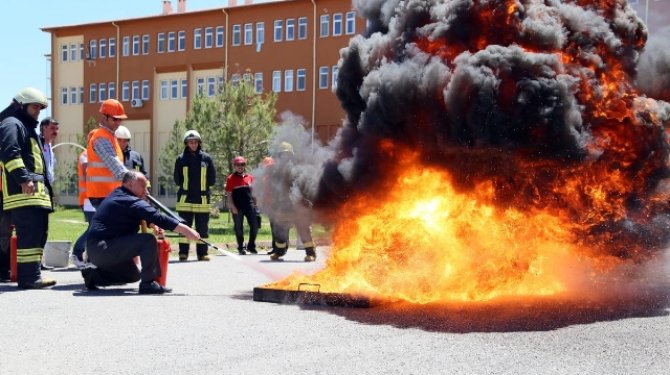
193	207
308	244
37	156
281	245
203	178
185	174
29	255
100	179
14	164
96	164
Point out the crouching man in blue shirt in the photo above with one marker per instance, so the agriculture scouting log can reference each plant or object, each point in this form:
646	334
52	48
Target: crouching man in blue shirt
113	238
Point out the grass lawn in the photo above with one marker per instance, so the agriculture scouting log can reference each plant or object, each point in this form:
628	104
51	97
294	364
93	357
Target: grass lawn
66	224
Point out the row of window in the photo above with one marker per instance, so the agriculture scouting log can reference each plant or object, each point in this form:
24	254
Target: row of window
98	92
209	37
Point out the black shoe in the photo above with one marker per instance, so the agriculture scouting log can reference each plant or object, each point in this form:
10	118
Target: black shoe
45	267
241	252
5	277
38	284
153	288
252	251
87	273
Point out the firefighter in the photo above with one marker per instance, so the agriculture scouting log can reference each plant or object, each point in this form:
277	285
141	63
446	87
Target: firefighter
194	174
105	168
285	212
242	205
5	237
26	190
132	159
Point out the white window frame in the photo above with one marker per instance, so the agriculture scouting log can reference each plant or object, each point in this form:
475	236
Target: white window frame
102	92
174	89
181	40
125	46
258	83
302	28
333	75
200	86
93	93
211	86
276	81
125	91
102	48
288	80
324	25
112	47
135	90
350	23
337	24
82	54
171	41
160	43
209	37
93	49
235	79
290	29
237	35
278	30
146	91
64	53
197	38
323	77
260	32
111	90
220	35
73	95
248	34
73	52
146	44
164	90
63	95
184	89
301	80
136	45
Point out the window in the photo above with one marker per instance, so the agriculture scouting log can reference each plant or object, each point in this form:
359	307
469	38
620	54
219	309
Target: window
197	38
181	40
125	48
278	32
325	25
209	37
288	80
302	28
174	89
145	89
323	77
350	23
236	35
125	91
160	43
92	49
145	44
64	54
136	45
73	95
73	52
103	48
276	81
112	47
219	83
235	79
301	80
258	83
81	94
219	36
63	93
337	24
135	92
171	42
290	29
200	86
248	34
111	89
335	71
92	93
211	86
81	51
184	89
260	33
102	91
164	90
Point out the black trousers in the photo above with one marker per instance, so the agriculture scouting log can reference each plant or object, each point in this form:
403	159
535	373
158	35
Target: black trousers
32	227
114	259
201	226
5	237
238	224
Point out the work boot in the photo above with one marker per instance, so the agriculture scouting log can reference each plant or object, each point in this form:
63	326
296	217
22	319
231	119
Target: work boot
89	278
252	251
38	284
310	254
5	276
277	254
203	258
152	287
183	257
241	252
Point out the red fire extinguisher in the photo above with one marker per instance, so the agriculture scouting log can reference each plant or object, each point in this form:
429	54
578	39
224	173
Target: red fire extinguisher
163	258
12	256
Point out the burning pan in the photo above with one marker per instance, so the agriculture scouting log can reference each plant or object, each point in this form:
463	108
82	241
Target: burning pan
313	296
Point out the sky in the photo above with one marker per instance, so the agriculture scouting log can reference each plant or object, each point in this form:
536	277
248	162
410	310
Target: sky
23	45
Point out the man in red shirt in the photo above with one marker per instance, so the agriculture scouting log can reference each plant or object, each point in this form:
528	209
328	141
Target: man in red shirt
242	204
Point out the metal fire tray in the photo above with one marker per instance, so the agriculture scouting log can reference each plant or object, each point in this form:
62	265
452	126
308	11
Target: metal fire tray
310	294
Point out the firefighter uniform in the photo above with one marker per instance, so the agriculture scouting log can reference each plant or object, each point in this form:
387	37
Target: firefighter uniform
194	173
24	165
5	237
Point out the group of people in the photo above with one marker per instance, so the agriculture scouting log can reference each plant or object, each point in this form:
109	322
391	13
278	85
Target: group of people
113	187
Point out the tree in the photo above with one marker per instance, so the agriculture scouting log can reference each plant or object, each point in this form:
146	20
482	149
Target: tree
237	121
173	147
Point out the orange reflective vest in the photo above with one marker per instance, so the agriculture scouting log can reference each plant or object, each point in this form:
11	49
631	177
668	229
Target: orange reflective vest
82	177
100	181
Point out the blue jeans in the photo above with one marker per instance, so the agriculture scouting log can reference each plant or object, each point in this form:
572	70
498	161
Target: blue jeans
80	245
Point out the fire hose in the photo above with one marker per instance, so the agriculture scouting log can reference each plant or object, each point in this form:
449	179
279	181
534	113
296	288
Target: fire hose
238	258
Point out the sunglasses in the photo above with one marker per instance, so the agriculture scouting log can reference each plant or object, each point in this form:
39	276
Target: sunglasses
114	119
240	165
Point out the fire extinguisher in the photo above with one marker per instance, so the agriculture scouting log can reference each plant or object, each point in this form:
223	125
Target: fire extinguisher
12	256
163	258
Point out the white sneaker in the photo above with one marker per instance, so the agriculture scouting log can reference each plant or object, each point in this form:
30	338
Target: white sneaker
79	264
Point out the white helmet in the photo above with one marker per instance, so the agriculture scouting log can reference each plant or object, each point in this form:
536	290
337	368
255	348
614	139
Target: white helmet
122	132
30	95
192	134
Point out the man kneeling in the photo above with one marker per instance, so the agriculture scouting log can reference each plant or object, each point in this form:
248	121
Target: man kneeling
113	240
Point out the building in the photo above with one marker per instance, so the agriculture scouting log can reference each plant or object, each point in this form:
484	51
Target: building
155	65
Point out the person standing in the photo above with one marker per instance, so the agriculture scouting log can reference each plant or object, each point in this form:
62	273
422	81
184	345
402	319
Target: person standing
48	132
79	247
132	159
113	240
26	189
194	174
242	205
5	238
105	168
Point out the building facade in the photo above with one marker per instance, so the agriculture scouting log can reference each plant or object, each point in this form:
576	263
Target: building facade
155	66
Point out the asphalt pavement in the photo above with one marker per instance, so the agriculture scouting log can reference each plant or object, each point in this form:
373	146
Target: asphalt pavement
211	325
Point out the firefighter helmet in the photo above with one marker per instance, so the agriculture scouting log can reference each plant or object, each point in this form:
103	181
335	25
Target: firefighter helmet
192	134
285	147
113	108
30	95
122	133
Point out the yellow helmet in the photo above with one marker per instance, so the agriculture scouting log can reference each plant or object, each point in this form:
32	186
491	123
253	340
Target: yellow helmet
30	95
